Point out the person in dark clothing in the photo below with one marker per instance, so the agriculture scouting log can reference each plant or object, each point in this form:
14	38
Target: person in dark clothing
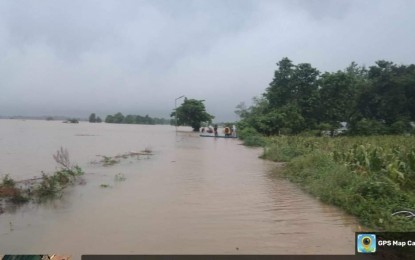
215	129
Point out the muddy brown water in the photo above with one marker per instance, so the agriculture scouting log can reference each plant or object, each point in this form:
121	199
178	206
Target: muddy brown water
193	196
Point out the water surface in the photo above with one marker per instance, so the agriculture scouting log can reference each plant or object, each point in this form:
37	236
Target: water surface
193	196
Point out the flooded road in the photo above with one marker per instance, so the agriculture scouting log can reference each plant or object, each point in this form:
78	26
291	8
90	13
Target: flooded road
193	196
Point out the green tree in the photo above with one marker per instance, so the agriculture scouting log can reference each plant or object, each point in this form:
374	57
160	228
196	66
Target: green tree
129	119
337	95
92	118
99	120
109	119
192	112
118	118
279	92
305	93
241	110
148	120
295	87
388	98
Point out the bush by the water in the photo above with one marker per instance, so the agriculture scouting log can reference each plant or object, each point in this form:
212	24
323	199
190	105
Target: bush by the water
47	186
251	137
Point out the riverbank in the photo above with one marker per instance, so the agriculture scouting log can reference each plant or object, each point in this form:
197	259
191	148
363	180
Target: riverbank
369	177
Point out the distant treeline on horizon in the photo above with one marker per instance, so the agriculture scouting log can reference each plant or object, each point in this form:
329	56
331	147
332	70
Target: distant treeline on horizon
119	118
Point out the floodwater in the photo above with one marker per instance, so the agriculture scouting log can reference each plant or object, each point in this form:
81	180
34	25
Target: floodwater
193	196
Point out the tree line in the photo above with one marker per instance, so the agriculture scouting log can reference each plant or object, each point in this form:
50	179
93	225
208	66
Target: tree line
375	100
119	118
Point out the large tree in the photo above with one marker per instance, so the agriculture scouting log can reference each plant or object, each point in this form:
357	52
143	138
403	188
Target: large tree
337	95
293	98
92	118
192	112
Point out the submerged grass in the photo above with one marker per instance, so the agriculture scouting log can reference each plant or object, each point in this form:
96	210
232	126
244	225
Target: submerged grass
48	186
369	177
112	160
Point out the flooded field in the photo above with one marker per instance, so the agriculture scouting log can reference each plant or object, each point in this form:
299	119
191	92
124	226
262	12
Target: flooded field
193	196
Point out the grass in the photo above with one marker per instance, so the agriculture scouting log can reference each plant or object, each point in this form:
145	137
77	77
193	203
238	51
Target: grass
369	177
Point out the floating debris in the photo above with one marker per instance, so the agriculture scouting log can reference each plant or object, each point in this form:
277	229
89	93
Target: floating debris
120	177
111	160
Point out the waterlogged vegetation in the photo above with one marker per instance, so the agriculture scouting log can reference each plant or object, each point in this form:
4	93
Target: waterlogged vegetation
50	186
369	168
112	160
47	186
370	177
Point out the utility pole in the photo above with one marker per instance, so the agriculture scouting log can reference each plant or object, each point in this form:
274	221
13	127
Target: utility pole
175	110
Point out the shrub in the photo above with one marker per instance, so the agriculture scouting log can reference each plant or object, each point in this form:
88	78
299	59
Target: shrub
369	127
48	187
251	137
254	140
400	127
7	181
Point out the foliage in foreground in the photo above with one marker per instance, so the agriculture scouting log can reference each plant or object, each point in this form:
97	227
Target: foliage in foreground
368	177
48	186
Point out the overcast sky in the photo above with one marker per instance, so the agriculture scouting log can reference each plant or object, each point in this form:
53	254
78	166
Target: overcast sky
77	57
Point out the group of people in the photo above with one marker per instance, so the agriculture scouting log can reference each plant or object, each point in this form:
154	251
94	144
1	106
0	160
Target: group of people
228	131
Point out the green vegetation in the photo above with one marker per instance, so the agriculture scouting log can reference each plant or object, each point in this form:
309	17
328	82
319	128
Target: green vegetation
370	177
9	190
108	161
377	100
193	113
48	186
94	119
111	160
71	121
119	118
7	181
251	137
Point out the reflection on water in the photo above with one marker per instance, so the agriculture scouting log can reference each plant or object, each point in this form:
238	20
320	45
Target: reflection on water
194	196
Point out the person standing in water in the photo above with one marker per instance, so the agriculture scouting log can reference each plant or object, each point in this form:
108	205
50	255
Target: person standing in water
227	131
215	129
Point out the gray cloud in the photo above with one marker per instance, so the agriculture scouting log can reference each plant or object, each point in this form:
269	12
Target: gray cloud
78	57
